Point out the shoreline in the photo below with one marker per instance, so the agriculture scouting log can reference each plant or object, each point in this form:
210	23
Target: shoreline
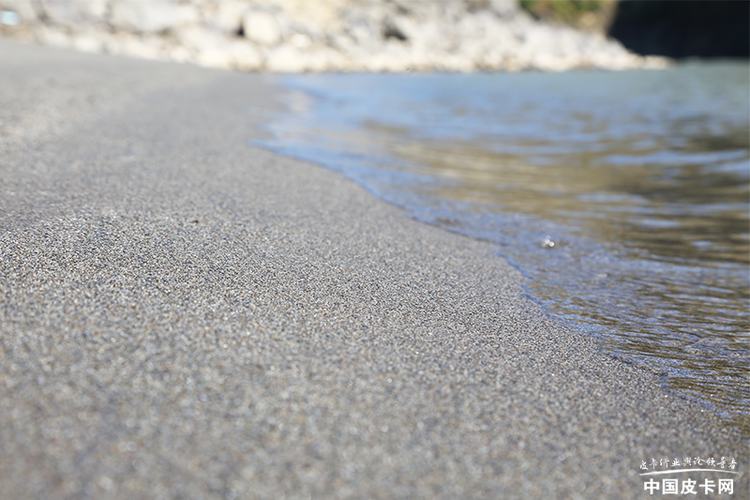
340	106
189	315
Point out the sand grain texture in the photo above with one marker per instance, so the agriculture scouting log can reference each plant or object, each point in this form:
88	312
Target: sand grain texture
185	315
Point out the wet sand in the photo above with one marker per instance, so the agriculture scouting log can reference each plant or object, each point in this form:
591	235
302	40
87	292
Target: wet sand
186	315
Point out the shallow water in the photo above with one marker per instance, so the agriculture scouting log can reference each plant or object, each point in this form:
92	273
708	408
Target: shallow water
623	197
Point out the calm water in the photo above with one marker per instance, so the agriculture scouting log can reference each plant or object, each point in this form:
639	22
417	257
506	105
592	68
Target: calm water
623	197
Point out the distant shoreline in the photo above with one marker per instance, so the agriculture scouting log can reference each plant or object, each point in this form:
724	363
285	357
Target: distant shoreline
328	35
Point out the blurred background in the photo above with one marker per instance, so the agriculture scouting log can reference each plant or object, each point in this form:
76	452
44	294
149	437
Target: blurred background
387	35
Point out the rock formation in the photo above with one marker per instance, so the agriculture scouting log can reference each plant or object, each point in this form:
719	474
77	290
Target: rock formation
320	35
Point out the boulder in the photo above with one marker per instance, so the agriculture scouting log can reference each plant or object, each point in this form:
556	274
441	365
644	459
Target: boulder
261	27
188	15
215	57
144	16
54	37
142	47
286	59
504	8
228	16
199	38
88	42
244	56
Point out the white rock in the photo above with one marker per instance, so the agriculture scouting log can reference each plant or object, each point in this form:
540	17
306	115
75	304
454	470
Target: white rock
95	9
62	13
261	28
141	47
502	38
91	42
473	48
325	59
300	40
549	62
75	13
216	57
228	16
147	16
376	63
179	54
363	34
505	8
128	44
453	62
187	15
396	57
111	43
245	57
200	38
285	59
54	37
428	35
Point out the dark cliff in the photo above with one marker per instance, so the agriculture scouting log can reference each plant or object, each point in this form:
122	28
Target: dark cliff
682	29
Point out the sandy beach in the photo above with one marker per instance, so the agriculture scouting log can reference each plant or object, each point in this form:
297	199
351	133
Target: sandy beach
186	315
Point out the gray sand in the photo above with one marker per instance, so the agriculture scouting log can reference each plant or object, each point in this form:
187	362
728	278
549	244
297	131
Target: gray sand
187	316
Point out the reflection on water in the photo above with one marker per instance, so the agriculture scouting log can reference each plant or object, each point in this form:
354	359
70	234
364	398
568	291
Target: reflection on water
667	276
624	197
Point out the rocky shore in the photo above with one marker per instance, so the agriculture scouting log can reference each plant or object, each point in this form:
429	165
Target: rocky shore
325	35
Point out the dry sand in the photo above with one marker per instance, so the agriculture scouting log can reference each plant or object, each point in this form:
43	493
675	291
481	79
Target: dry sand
187	316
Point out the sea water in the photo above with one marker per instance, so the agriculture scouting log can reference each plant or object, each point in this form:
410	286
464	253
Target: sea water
622	196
